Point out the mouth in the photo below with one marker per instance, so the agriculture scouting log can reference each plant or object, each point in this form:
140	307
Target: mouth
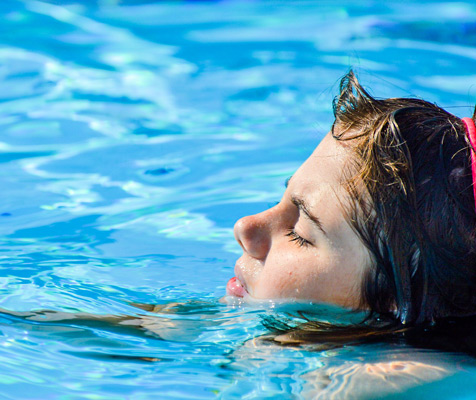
235	288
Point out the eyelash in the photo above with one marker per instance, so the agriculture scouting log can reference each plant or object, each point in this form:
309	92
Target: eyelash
294	237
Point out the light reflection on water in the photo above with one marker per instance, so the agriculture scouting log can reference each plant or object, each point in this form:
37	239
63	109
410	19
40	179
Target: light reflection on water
134	134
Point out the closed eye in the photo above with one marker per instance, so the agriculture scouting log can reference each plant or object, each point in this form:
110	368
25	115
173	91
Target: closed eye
295	237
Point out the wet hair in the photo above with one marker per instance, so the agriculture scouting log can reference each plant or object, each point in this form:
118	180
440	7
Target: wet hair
414	209
417	209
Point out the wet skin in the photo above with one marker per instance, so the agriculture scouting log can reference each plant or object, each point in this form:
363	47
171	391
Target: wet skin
304	247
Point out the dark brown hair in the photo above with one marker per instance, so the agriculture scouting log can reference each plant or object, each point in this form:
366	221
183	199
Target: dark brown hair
419	221
414	210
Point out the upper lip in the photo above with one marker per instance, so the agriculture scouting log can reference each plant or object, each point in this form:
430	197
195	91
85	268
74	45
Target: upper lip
239	276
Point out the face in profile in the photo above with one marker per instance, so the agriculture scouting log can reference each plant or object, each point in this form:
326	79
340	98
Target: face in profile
304	249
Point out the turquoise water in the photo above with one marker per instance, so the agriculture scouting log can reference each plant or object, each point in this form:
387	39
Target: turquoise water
135	133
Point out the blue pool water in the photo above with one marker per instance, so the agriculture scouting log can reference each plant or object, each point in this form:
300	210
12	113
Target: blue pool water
134	133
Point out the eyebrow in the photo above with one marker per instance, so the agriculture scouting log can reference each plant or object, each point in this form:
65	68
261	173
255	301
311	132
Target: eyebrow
302	206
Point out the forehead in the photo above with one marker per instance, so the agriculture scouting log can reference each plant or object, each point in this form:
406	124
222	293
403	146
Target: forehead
328	167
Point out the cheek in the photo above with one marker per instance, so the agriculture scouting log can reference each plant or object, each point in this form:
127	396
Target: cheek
289	274
342	284
280	273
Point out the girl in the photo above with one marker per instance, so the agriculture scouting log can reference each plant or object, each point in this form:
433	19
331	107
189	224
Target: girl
380	218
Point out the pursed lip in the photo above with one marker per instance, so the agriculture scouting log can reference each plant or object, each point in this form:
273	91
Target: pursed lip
235	288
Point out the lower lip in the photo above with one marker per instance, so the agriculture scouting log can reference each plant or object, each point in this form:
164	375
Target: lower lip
235	288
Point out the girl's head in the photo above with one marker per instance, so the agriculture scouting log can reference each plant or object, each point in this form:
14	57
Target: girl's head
304	247
380	217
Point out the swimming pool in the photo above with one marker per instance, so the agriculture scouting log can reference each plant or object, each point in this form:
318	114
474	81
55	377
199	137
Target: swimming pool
135	133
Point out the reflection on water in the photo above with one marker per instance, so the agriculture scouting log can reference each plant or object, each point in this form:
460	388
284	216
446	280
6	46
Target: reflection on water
134	134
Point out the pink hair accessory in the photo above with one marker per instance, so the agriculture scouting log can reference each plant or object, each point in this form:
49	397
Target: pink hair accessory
471	130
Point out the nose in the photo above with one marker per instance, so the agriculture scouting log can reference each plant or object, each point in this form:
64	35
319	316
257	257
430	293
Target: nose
253	233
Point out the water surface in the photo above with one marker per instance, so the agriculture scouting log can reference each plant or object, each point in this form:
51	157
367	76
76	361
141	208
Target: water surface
133	134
